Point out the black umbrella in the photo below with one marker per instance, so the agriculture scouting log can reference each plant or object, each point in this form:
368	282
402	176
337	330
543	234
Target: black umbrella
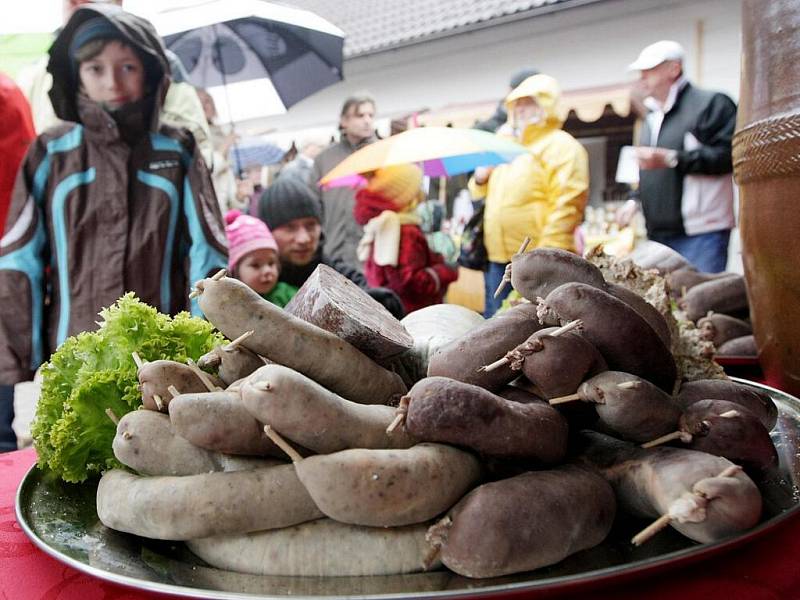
227	42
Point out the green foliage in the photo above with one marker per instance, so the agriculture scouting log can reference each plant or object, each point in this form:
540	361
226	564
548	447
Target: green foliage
92	372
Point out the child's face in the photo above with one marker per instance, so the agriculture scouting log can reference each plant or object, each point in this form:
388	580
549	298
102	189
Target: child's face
114	77
259	269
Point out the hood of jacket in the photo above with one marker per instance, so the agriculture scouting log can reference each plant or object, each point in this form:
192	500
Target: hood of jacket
138	32
547	94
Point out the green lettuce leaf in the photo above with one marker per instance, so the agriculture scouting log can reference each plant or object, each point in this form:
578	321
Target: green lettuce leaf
92	372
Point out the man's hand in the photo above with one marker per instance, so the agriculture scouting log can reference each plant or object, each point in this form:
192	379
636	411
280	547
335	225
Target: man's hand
482	174
626	212
656	158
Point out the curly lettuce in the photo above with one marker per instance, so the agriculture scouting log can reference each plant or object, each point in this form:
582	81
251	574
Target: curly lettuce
92	372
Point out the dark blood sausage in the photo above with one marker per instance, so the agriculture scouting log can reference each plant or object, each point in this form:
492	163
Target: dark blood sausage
653	255
645	310
557	365
232	364
730	430
452	412
157	376
685	484
684	279
625	339
332	302
725	295
536	273
756	401
744	345
525	522
639	413
462	358
720	328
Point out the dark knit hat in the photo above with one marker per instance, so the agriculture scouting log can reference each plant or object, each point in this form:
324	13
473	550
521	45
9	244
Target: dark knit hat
94	29
288	199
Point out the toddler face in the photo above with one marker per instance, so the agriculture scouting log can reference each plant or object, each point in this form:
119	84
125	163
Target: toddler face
114	77
259	269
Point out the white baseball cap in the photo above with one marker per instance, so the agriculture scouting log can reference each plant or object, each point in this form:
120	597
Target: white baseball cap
655	54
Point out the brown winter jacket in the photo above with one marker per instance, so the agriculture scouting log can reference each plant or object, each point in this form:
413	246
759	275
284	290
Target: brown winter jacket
94	216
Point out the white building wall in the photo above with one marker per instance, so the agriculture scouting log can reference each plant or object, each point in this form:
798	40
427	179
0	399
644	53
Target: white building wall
582	47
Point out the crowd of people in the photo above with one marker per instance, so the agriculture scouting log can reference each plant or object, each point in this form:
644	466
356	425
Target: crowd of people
127	187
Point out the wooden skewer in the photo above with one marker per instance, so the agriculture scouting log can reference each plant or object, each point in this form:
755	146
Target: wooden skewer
159	402
495	365
675	435
232	346
137	359
174	391
507	275
505	360
282	444
402	410
219	274
576	324
652	529
112	416
730	414
665	520
202	375
564	399
730	471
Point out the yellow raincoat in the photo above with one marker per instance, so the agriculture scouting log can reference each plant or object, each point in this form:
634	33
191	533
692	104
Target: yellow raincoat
541	195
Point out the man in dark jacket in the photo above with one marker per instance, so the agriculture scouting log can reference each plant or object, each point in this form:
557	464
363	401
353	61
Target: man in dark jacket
292	212
684	153
342	233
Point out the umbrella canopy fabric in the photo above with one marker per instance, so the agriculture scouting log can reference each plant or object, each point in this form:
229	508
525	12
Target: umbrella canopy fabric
224	43
252	152
440	151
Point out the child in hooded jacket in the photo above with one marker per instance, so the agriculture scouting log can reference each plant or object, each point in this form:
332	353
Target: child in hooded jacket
107	202
253	257
394	249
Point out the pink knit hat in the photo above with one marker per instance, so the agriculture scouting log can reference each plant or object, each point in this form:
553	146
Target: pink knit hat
246	234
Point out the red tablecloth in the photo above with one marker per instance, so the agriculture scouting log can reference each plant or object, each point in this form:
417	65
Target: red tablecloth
767	568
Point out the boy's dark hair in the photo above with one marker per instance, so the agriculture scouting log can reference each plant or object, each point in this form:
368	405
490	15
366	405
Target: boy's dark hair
356	100
94	47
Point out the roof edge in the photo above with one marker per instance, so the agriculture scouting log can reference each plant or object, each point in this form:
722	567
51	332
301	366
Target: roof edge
501	20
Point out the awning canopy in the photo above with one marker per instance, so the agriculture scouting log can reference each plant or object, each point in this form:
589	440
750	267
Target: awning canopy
589	105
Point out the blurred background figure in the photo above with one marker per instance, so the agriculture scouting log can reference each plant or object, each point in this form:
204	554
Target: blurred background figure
684	155
342	233
302	165
16	134
541	195
500	115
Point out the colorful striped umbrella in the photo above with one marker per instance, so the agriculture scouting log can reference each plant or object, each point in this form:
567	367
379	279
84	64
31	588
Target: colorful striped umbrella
440	151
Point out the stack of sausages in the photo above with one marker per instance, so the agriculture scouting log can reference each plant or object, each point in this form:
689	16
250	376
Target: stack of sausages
716	302
515	451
